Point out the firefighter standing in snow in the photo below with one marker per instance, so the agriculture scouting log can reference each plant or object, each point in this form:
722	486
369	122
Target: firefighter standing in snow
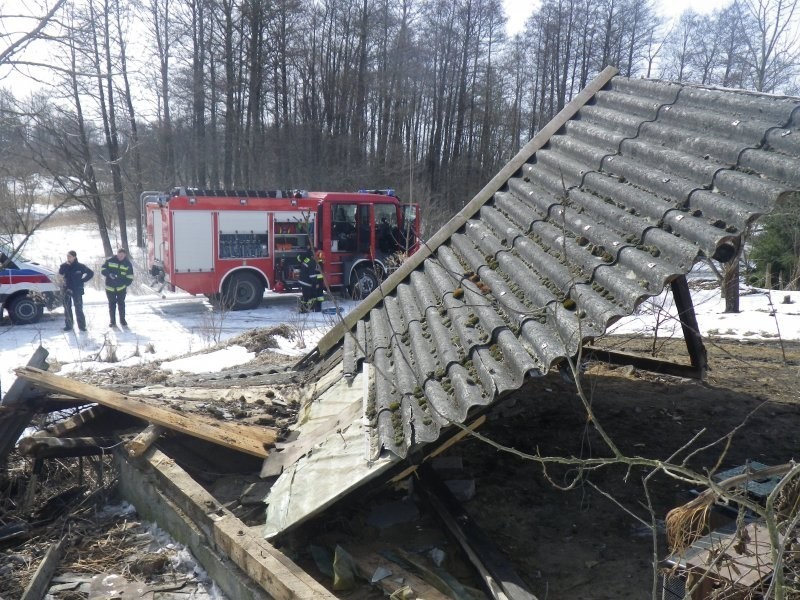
118	272
75	275
311	282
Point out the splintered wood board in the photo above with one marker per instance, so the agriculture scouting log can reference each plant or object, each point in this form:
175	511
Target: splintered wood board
248	439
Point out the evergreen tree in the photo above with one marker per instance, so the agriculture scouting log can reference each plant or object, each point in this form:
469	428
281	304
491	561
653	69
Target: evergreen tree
776	248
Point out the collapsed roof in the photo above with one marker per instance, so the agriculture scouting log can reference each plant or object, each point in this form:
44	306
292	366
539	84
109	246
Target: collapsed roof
617	197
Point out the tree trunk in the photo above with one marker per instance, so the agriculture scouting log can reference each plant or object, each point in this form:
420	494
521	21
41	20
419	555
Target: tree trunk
162	27
230	96
112	136
730	286
137	155
198	135
93	200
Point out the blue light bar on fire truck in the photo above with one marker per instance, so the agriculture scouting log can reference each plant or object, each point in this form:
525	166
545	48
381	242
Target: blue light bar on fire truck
385	192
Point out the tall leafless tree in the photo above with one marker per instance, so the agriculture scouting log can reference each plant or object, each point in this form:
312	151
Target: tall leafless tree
773	48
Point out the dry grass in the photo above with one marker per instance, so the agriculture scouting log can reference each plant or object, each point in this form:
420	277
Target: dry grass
258	340
67	218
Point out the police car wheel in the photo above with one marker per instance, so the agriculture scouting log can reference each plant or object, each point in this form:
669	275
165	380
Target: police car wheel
24	311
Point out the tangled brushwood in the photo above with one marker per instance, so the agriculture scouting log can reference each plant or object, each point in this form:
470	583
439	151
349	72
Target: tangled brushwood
43	501
756	555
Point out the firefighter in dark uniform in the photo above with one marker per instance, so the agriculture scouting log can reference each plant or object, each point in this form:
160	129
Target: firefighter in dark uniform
118	272
311	282
75	274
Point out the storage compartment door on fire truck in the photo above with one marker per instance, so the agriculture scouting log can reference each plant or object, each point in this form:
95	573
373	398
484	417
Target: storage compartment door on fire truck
243	234
193	241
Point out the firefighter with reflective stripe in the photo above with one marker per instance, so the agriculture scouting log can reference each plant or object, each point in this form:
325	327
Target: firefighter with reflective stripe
118	272
311	282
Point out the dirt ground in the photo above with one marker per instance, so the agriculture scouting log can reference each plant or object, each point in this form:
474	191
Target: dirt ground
575	543
579	543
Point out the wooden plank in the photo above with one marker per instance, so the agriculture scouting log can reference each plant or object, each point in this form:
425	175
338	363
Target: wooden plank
52	447
266	565
249	439
646	363
19	390
13	425
153	504
40	582
142	442
499	578
73	423
742	561
691	330
263	563
347	322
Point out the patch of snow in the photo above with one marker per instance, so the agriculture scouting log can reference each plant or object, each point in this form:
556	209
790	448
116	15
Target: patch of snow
763	315
211	361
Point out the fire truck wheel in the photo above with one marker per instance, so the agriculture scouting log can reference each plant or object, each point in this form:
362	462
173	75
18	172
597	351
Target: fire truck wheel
242	291
363	282
24	311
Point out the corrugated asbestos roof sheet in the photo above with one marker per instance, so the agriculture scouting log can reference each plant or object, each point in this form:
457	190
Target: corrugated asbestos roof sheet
622	199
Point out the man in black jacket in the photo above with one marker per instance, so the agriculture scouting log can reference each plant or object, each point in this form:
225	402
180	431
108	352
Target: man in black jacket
75	274
118	272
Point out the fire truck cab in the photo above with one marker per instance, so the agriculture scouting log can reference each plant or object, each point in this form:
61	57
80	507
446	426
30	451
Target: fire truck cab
233	245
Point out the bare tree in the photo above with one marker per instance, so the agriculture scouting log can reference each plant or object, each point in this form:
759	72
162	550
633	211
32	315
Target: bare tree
681	45
229	59
163	31
772	41
62	145
38	16
21	194
134	128
104	70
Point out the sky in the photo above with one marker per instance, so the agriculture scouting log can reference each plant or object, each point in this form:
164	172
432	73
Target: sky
165	327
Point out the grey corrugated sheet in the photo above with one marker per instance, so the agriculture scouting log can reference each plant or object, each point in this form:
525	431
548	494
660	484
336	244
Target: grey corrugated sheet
645	179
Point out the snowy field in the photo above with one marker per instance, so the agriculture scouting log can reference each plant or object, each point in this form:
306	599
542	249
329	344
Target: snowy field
763	315
167	326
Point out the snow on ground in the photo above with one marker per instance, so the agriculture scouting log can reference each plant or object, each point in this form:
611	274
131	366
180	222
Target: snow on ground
162	326
166	326
763	315
211	361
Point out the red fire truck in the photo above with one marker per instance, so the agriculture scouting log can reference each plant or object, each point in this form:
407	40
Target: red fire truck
232	245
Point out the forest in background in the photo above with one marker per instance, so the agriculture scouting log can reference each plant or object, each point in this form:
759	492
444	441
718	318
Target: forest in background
429	97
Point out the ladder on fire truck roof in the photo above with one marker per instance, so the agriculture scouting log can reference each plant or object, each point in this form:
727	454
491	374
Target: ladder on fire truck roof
184	191
189	191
